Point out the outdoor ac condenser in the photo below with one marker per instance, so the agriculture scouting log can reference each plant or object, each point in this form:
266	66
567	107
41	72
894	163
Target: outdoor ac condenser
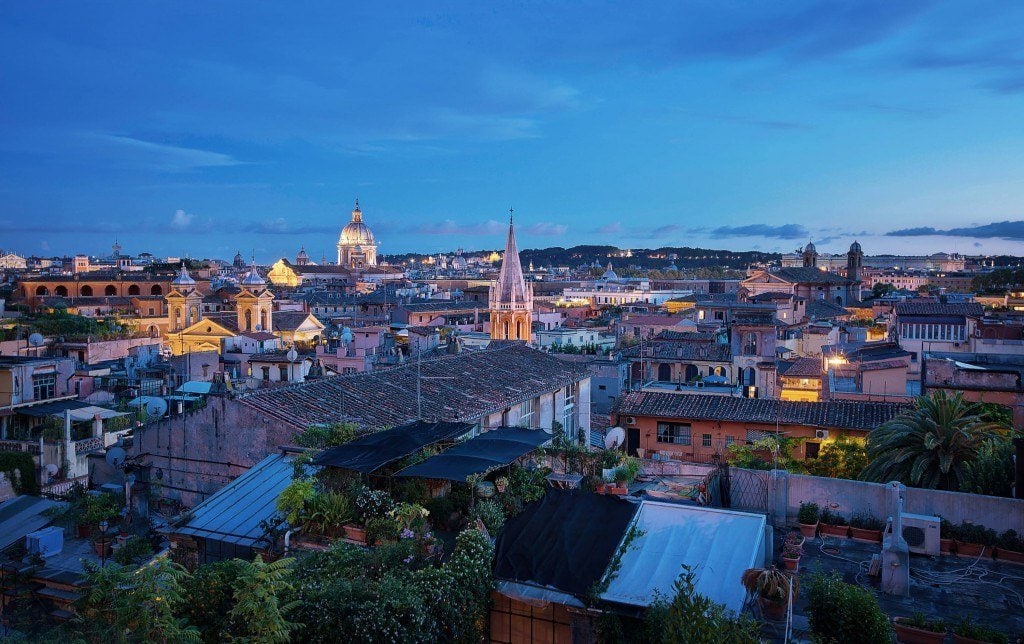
46	542
921	532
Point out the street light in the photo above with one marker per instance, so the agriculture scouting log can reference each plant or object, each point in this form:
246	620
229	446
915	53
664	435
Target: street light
103	543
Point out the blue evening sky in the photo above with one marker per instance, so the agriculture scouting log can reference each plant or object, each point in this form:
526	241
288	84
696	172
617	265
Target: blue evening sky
206	127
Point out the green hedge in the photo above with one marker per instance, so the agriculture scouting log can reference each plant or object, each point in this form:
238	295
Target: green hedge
25	481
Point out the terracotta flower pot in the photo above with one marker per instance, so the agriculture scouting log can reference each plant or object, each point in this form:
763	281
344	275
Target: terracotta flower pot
946	546
965	549
796	543
617	490
910	635
791	563
772	609
355	533
1010	555
600	488
870	536
103	547
834	530
809	530
960	639
82	530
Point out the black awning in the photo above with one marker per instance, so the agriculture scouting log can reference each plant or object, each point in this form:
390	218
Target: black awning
564	541
369	453
487	451
52	409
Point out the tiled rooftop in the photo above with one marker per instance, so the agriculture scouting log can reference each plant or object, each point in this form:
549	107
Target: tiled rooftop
838	414
463	386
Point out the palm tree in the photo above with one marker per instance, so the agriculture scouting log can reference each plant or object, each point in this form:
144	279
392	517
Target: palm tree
930	445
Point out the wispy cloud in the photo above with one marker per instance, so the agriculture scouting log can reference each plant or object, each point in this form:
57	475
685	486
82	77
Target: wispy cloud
167	157
996	230
783	231
488	228
282	226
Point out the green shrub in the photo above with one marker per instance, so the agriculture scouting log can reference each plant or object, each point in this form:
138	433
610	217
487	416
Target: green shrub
292	500
841	612
20	470
832	518
865	521
133	550
966	627
695	619
492	515
809	513
918	621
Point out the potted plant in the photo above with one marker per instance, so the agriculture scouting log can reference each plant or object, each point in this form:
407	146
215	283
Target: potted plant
773	589
947	533
795	539
972	540
918	630
501	483
621	487
966	631
807	518
864	527
1010	547
791	557
327	512
610	459
833	524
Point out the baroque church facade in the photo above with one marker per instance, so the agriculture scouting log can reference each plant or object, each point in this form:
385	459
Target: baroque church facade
357	247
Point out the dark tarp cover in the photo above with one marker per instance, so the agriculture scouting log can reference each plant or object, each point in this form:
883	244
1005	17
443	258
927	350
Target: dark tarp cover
371	452
487	451
564	541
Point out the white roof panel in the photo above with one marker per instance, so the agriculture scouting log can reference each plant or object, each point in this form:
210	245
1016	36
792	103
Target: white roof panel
717	544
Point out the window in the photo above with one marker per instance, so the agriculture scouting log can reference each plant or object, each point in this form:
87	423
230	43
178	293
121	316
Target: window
754	435
266	373
569	415
44	386
812	450
730	440
676	434
283	373
526	413
705	440
750	344
601	387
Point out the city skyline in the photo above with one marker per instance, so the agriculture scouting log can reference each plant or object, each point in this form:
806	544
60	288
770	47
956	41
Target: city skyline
178	130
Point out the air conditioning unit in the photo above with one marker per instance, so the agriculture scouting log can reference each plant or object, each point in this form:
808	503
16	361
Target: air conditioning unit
821	433
921	532
631	420
46	542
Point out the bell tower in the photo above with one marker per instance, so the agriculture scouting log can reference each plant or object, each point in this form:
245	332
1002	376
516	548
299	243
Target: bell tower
511	298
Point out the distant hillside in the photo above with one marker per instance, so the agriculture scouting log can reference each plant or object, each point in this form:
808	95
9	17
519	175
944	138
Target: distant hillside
656	258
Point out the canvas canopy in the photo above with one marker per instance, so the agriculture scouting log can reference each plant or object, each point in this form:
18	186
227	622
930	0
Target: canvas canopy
369	453
496	448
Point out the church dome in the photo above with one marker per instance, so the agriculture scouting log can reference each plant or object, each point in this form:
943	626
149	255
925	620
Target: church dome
610	274
810	248
239	261
356	232
855	247
183	278
302	258
253	278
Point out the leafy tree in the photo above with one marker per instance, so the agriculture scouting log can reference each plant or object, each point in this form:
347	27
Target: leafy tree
992	471
258	614
125	605
882	288
208	599
929	446
766	453
690	617
842	458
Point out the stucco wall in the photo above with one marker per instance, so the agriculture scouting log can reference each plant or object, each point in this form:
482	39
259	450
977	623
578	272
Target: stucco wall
848	497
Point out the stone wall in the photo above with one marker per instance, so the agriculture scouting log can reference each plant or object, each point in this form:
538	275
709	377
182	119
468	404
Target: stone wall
197	453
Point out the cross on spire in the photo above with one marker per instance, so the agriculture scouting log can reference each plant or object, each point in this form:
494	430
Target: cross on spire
510	216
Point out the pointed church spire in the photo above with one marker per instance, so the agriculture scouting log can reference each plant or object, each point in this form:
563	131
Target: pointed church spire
511	287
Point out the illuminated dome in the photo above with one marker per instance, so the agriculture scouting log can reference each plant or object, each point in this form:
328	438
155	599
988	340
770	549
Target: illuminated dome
356	232
810	248
356	246
302	258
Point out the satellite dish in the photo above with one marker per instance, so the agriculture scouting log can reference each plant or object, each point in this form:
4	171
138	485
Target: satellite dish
51	470
115	456
36	339
259	327
156	407
615	438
